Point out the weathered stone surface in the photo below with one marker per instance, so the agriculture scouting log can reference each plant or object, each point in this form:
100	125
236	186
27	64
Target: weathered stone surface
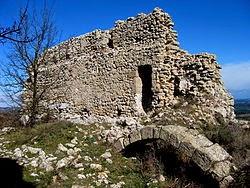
226	181
157	132
202	159
135	136
174	134
165	134
211	158
216	153
126	141
221	169
147	132
187	146
118	145
98	74
205	156
201	141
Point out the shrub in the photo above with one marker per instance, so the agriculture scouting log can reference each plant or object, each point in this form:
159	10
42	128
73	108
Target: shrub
242	177
9	118
220	134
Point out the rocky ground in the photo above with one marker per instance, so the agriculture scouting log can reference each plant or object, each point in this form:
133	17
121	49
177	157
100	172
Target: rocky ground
63	154
71	155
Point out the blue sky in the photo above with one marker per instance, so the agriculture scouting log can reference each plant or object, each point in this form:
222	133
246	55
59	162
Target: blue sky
221	27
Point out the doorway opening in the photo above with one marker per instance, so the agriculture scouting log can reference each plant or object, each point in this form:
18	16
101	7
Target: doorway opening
145	73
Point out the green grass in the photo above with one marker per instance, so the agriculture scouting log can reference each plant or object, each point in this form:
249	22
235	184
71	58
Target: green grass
48	136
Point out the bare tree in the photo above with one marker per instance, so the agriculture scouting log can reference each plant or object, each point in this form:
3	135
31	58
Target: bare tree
9	33
27	62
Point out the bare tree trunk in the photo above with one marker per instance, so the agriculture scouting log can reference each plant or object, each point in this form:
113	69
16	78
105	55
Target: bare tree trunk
22	72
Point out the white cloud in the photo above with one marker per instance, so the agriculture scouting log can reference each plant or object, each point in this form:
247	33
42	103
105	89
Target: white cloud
236	76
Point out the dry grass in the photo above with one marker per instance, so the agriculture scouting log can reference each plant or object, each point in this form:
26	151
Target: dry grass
9	119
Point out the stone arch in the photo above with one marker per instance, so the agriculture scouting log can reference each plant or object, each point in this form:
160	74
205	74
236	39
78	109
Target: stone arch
209	157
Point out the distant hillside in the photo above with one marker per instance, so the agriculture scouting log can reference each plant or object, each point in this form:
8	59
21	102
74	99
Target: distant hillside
7	109
242	108
4	109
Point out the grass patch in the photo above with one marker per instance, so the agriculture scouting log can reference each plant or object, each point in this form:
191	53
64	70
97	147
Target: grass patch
48	136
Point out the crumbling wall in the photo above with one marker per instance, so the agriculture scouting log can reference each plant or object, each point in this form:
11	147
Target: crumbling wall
97	73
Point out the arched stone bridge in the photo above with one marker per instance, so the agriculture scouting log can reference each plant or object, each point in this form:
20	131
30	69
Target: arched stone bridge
210	157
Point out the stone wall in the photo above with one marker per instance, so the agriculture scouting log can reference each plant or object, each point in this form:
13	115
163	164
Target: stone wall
102	74
210	157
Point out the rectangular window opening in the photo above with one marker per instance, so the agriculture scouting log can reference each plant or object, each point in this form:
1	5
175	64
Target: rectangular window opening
145	73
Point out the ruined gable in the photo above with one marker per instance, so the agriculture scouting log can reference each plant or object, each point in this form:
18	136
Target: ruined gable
133	69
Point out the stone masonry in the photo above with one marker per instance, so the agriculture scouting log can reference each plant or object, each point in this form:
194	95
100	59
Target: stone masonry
133	69
211	158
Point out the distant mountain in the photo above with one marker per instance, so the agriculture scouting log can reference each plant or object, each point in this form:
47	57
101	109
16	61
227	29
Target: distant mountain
242	106
7	109
242	101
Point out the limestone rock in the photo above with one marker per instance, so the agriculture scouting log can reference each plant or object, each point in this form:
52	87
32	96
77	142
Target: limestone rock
146	72
96	166
106	155
208	156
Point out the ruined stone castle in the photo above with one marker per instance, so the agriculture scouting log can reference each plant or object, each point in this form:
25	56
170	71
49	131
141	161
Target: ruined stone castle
133	69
